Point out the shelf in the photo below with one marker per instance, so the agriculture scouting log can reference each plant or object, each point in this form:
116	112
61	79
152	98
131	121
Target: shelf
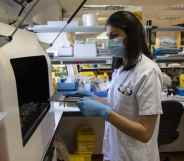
95	69
72	60
168	29
179	67
57	28
179	59
175	97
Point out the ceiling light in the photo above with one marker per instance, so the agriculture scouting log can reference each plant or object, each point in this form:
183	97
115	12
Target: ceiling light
104	7
177	7
170	17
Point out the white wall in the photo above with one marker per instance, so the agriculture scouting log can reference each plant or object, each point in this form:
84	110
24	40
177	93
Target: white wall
47	10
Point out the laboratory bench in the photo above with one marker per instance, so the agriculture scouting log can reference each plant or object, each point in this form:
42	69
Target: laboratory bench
71	120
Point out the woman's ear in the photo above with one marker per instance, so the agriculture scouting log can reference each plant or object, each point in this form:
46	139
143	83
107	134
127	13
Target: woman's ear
125	41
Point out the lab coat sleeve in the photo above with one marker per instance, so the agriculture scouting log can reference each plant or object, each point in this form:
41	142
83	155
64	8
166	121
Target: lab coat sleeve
148	95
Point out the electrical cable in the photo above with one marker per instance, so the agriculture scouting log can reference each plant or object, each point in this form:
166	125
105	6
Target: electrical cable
19	14
68	22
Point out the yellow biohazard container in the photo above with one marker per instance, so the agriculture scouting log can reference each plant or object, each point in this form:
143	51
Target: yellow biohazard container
181	81
80	157
86	141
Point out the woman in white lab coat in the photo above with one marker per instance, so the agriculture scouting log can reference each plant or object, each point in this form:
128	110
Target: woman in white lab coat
133	109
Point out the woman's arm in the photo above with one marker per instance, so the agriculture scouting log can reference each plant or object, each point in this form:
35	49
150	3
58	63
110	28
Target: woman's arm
141	129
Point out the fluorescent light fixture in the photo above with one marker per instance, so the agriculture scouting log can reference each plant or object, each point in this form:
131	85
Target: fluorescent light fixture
104	7
112	7
177	7
171	17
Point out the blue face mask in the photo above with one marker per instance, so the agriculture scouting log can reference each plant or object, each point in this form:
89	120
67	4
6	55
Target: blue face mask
117	47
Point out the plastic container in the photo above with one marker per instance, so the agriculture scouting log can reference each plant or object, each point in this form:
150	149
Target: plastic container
89	19
180	91
64	86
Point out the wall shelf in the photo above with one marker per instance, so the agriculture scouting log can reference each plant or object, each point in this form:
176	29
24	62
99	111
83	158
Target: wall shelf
171	59
57	28
95	69
72	60
168	29
177	67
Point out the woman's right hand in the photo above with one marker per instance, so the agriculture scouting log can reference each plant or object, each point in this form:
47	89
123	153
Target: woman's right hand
90	107
103	100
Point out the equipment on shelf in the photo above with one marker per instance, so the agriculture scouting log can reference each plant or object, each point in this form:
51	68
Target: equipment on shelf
166	51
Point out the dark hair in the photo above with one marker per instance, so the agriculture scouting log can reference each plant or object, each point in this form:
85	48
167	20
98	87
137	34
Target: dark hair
136	38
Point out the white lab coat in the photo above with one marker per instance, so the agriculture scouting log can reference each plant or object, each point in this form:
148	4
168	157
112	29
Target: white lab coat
134	93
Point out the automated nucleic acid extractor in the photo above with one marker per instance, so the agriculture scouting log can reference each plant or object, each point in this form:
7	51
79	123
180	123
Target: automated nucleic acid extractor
29	126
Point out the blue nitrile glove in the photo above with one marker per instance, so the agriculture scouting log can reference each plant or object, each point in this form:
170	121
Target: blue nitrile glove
69	93
101	94
93	108
67	86
78	93
84	93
